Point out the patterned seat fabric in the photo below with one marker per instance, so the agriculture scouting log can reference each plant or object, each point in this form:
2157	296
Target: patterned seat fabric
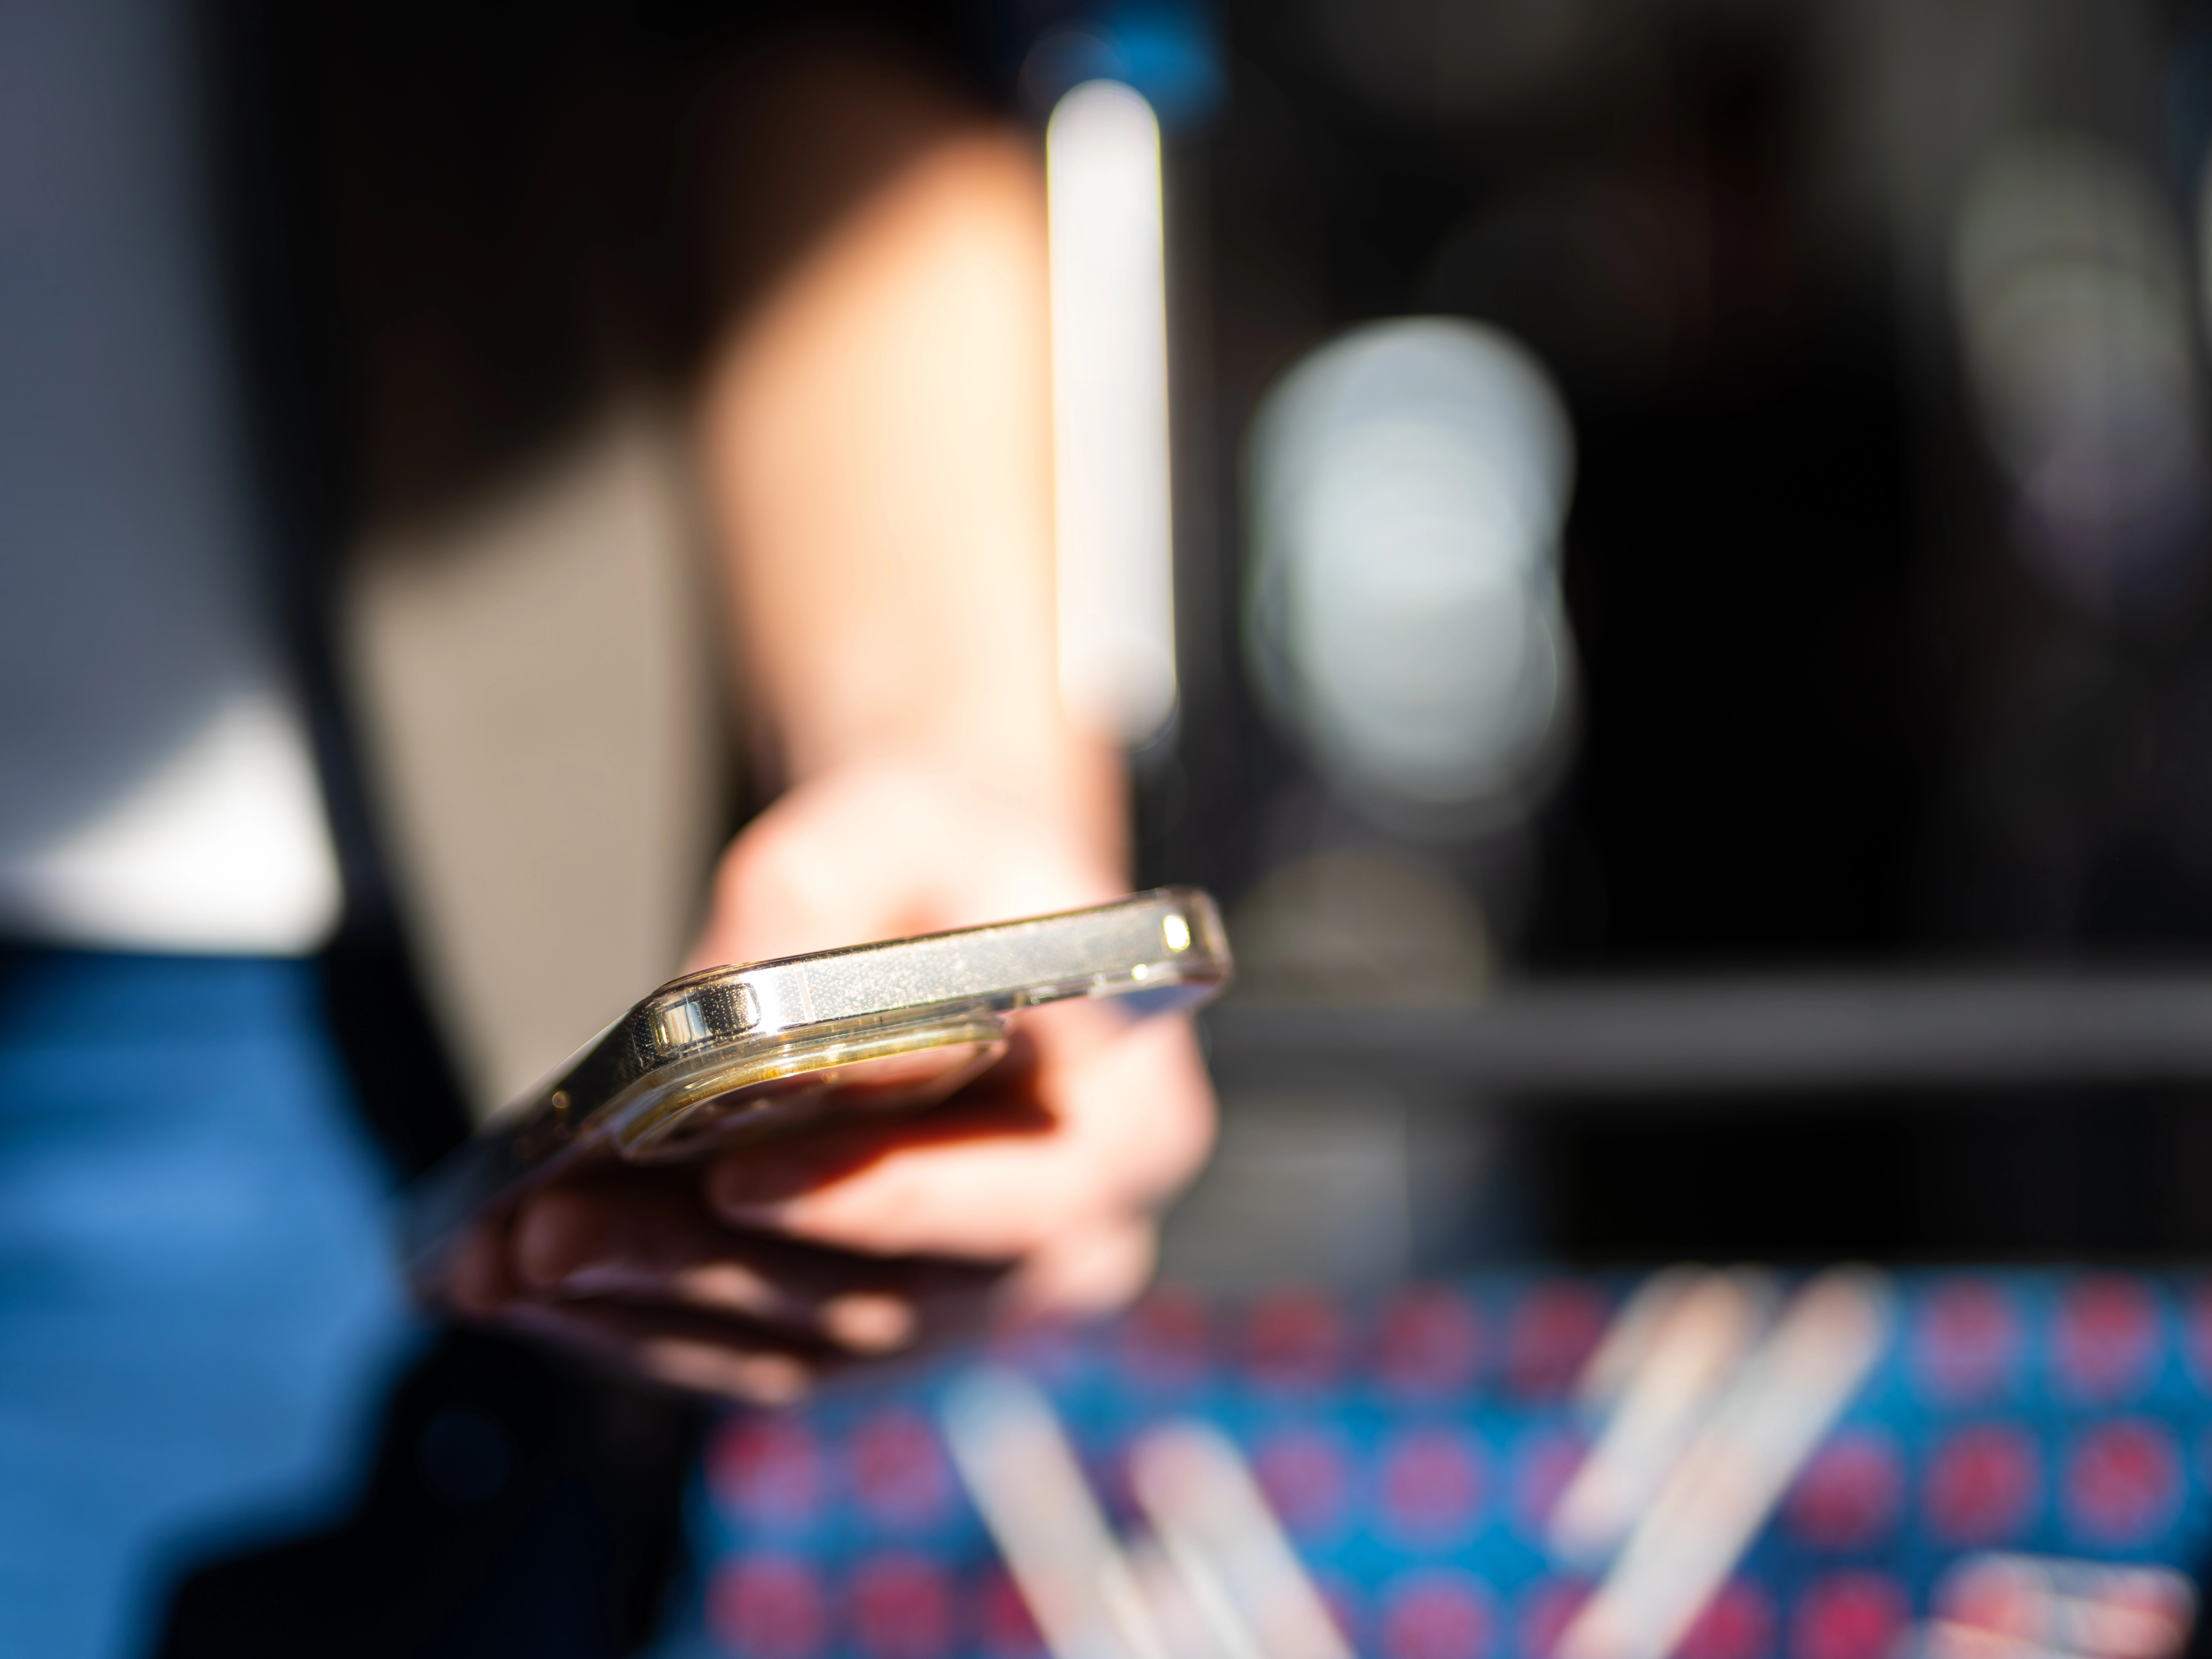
1415	1445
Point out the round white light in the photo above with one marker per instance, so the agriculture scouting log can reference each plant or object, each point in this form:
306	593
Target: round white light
1407	483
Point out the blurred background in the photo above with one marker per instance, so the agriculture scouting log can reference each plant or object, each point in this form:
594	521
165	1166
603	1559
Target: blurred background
1691	539
1654	556
1657	557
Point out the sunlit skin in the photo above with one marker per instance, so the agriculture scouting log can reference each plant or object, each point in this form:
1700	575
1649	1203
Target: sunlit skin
876	443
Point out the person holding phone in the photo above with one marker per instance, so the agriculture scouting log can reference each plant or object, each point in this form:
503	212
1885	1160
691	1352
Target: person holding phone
876	442
197	1297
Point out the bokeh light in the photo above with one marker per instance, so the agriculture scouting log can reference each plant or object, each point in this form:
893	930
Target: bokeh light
1403	617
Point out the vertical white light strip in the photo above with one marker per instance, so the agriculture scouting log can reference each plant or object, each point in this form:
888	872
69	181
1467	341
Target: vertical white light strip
1109	365
1028	1483
1781	1403
1229	1546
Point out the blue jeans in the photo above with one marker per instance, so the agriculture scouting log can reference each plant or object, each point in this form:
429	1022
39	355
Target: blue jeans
198	1307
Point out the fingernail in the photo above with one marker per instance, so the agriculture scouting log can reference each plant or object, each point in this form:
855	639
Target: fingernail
869	1324
595	1279
537	1279
772	1380
758	1217
542	1253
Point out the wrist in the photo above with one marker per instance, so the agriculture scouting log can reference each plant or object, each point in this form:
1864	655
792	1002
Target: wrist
1067	787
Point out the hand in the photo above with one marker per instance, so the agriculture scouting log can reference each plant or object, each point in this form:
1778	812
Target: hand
1033	1189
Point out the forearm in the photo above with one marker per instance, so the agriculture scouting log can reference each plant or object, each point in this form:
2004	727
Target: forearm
875	428
878	439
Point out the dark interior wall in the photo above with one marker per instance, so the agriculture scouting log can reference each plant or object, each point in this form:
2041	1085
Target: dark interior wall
1834	711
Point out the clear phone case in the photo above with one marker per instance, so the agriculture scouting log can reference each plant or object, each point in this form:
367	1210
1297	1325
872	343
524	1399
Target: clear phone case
752	1051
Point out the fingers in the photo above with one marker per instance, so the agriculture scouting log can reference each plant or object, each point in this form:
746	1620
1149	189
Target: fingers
623	1232
477	1280
706	1348
817	870
654	1241
1085	1273
631	1265
630	1268
1130	1118
680	1349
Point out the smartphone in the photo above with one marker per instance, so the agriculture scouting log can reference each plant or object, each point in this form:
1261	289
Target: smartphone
753	1052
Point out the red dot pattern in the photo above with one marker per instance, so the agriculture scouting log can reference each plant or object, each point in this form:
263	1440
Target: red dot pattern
1850	1495
1849	1615
1983	1485
2105	1340
1431	1484
1440	1614
2123	1482
1738	1623
1415	1446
